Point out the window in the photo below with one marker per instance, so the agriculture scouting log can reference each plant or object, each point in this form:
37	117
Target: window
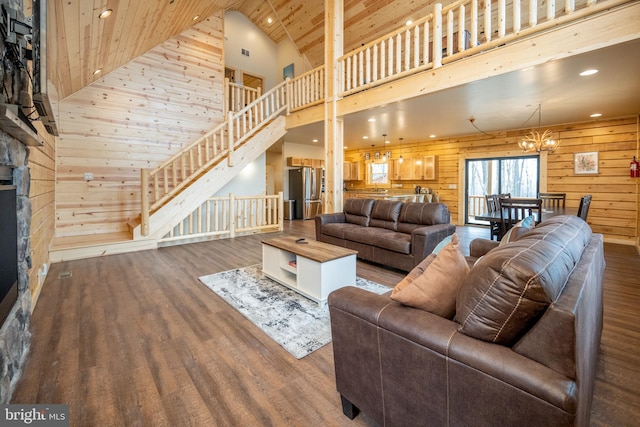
378	173
518	176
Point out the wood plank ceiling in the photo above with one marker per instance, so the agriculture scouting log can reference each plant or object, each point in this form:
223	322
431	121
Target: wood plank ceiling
83	43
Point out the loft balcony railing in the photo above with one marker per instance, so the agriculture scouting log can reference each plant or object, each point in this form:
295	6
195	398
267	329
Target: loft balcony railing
451	33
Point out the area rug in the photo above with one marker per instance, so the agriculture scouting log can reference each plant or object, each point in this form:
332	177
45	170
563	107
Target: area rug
298	324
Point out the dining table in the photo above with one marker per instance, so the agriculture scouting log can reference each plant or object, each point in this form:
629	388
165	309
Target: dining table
495	218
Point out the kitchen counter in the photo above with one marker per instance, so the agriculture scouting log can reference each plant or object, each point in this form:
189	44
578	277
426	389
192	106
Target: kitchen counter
384	195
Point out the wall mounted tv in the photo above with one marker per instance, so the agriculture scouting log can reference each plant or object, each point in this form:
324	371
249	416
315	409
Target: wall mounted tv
40	59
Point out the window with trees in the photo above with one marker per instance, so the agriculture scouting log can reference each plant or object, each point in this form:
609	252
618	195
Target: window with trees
518	176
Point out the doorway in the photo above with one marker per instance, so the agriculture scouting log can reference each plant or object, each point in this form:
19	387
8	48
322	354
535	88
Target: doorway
253	81
518	176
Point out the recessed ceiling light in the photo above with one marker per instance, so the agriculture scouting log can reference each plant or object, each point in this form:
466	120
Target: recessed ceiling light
588	72
432	136
98	71
345	147
269	20
409	22
365	137
371	120
596	115
195	17
105	13
315	140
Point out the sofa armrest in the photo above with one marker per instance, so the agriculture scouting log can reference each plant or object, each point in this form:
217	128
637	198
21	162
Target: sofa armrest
355	315
425	239
330	217
480	247
422	361
327	218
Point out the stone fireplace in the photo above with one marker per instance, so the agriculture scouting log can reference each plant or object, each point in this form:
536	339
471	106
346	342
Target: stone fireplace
15	334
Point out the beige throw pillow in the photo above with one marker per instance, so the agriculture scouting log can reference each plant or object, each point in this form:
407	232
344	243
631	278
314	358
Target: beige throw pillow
436	288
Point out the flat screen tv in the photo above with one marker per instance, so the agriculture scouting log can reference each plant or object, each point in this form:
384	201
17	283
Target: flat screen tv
40	60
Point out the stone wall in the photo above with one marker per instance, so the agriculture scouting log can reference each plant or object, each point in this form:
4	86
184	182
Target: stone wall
15	334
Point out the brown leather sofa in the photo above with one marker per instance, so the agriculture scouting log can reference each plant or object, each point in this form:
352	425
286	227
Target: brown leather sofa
387	232
521	350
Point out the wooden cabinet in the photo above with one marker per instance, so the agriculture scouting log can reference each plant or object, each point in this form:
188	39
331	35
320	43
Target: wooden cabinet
299	161
418	169
351	171
403	170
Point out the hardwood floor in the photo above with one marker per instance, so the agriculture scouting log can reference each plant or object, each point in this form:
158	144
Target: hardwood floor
136	339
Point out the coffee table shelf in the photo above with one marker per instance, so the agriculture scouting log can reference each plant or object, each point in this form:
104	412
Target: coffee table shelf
320	268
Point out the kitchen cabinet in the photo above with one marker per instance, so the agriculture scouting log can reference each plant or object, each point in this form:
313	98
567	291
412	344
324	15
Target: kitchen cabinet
417	169
351	171
299	161
403	170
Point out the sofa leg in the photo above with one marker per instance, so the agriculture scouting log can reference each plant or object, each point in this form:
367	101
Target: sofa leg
348	408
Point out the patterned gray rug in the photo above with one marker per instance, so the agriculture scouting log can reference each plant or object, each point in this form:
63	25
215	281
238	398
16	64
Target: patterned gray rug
298	324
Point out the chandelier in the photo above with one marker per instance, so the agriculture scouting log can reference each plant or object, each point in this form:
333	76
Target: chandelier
535	141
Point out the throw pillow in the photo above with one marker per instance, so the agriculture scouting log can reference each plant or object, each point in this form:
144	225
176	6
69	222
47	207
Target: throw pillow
517	230
436	288
442	244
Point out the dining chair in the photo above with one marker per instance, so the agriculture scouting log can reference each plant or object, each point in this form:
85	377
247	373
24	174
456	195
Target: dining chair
583	209
553	201
493	205
513	210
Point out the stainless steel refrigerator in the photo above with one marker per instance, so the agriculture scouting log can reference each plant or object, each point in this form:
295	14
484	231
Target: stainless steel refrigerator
305	187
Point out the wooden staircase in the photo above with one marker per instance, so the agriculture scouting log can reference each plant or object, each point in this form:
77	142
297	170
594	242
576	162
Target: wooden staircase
175	188
182	183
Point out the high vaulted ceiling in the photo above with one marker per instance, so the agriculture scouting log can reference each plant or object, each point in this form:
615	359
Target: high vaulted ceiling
86	43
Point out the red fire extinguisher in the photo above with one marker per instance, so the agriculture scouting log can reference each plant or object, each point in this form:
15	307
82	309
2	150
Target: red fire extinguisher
634	168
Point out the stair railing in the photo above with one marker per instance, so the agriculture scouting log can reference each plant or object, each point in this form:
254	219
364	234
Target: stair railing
228	216
238	96
164	182
306	90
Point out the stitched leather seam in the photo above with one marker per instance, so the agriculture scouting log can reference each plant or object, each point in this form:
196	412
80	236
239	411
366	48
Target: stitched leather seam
535	276
446	355
384	416
508	262
481	300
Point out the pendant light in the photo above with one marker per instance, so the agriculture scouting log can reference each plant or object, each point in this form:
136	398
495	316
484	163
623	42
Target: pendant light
535	141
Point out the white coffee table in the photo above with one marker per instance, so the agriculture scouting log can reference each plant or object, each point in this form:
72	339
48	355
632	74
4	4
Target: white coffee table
313	269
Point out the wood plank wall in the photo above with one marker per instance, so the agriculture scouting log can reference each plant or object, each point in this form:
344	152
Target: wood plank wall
42	197
135	117
614	209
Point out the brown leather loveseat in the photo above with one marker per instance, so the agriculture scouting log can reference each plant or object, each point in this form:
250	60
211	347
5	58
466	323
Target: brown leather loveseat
388	232
521	349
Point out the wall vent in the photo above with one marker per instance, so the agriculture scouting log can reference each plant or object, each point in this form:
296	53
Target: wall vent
245	52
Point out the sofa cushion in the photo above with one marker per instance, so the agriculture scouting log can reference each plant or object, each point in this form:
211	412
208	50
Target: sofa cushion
415	215
337	229
384	214
358	211
380	237
509	288
433	284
